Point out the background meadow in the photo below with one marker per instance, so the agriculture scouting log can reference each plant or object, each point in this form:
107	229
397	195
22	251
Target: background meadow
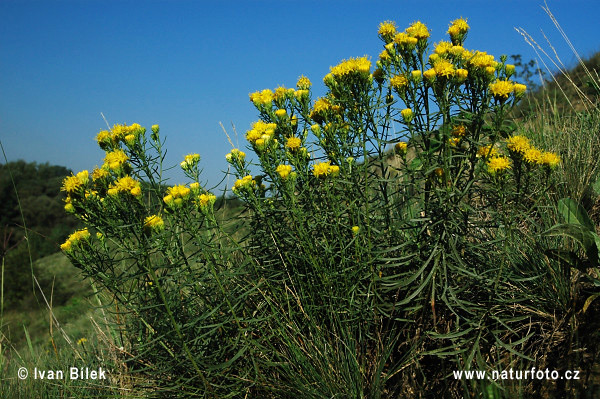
490	272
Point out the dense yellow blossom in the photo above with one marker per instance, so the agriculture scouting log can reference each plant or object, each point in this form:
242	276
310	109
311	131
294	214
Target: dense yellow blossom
153	223
126	184
519	89
387	30
532	156
75	239
71	184
549	159
244	184
264	97
205	200
115	160
429	74
459	130
405	41
360	65
293	143
324	169
418	30
502	89
498	164
303	83
443	47
443	68
259	129
458	28
518	144
487	151
407	114
401	148
284	171
399	82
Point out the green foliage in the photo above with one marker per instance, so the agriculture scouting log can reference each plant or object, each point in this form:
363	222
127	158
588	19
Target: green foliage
393	235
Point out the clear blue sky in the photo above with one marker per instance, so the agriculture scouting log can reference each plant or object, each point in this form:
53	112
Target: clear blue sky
188	65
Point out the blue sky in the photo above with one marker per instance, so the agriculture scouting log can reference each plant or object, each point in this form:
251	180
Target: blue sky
188	65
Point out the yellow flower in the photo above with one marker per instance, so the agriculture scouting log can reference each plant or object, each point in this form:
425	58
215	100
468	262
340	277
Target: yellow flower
125	185
115	160
454	141
75	239
442	47
519	89
443	68
324	169
303	83
532	156
429	74
387	30
104	139
293	143
206	200
189	161
498	164
244	184
81	341
352	66
487	151
284	171
71	184
405	41
259	129
518	144
153	223
401	147
399	82
355	230
457	30
281	113
407	114
501	89
459	130
549	159
418	30
479	59
416	75
461	75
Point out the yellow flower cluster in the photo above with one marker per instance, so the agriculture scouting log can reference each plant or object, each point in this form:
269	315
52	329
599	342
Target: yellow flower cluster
359	65
387	31
247	183
119	133
205	201
284	171
72	184
502	89
521	147
324	169
176	195
401	148
293	143
418	30
189	161
115	160
235	156
75	239
321	108
498	164
261	133
457	30
303	83
264	97
407	114
153	223
399	82
125	184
